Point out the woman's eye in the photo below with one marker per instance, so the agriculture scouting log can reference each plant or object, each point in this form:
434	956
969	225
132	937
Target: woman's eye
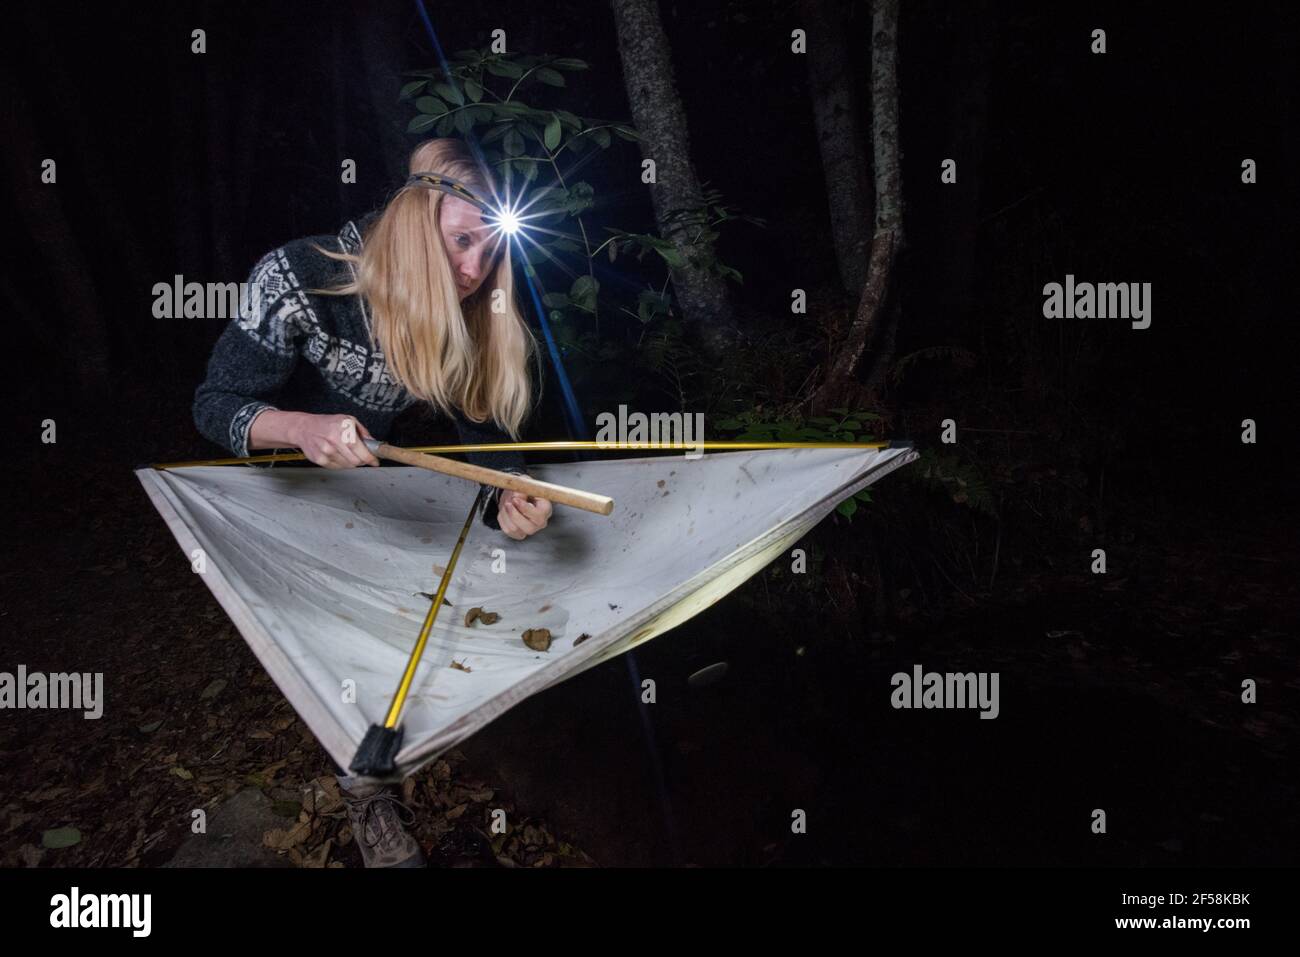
465	239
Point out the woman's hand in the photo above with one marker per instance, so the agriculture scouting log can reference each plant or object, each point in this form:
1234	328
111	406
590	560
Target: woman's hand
520	515
332	441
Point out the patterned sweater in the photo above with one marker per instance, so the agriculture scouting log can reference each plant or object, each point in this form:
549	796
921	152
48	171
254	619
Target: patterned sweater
298	351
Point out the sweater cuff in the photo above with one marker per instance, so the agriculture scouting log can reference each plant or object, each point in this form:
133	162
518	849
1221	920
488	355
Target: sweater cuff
242	424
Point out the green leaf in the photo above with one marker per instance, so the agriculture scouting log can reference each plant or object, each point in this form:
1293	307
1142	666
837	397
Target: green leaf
671	256
847	507
851	424
601	136
421	123
552	135
728	424
431	104
464	121
410	89
513	144
504	68
474	88
584	292
569	63
449	93
864	495
445	123
628	134
555	300
549	77
59	837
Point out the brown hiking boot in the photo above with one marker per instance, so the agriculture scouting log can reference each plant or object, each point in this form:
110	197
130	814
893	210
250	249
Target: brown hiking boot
379	821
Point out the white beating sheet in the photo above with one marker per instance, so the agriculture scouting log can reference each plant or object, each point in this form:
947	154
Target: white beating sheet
321	573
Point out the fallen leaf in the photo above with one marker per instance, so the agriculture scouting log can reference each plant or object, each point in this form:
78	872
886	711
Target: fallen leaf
59	837
214	689
538	639
279	839
478	614
318	857
151	727
181	773
460	667
580	639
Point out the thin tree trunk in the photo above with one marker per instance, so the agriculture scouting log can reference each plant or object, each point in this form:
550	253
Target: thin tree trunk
845	162
871	325
660	119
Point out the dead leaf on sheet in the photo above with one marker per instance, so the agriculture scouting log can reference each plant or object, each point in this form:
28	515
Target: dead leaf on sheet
538	639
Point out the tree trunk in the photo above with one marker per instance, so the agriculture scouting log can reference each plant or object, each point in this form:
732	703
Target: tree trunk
845	163
660	119
871	329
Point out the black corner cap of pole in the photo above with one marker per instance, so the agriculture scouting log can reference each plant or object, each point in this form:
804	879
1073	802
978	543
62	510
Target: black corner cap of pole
901	444
375	757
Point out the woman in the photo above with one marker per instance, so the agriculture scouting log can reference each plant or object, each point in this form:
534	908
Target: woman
415	304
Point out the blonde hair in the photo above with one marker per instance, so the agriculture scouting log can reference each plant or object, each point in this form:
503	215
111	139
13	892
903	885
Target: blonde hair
448	353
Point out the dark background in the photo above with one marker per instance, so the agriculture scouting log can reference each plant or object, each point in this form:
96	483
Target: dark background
1123	167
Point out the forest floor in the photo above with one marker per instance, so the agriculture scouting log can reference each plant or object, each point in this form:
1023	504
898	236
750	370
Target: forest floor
1120	693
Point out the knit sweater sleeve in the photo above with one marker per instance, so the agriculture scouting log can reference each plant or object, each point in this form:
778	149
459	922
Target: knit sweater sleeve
254	357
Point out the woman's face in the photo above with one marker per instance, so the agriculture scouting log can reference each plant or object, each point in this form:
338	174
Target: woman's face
471	246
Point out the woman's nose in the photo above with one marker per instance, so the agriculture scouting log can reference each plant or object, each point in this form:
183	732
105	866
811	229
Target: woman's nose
471	265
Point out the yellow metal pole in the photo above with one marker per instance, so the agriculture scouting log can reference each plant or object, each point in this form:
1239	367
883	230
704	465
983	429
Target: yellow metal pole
404	686
376	756
566	446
